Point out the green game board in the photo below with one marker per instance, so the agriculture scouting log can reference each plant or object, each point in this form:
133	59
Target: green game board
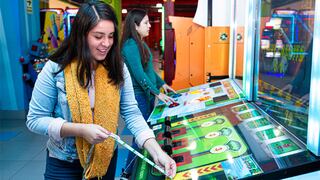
202	137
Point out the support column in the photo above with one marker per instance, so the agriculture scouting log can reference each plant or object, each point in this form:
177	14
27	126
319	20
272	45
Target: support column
169	69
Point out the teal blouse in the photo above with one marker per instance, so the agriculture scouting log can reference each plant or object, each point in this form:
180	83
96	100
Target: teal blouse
143	80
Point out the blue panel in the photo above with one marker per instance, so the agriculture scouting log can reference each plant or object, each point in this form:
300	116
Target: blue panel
6	136
121	161
18	30
7	89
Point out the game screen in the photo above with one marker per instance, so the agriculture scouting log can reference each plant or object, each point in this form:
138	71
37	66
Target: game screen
232	141
197	99
285	63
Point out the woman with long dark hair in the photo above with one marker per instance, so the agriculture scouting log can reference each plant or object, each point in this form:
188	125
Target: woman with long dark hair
138	58
77	99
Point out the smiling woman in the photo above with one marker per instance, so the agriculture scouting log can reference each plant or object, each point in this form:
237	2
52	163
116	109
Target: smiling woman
77	99
100	39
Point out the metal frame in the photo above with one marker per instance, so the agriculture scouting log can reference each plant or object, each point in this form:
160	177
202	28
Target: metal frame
250	54
233	39
313	136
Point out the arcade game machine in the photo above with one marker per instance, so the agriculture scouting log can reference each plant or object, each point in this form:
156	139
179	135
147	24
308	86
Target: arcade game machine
252	127
32	64
202	49
52	34
51	25
69	15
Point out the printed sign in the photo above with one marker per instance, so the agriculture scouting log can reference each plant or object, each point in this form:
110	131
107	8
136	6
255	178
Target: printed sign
29	6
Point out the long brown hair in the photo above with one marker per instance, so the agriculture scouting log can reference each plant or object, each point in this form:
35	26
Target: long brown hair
133	18
76	45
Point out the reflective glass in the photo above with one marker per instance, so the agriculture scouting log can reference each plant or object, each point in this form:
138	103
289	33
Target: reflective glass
285	61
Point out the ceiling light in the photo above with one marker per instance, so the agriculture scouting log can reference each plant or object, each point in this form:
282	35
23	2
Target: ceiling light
159	5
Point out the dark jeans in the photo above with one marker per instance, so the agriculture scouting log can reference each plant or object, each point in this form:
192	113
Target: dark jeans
144	106
57	169
146	109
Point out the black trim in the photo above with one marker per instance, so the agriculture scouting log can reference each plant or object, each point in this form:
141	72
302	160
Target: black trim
209	12
289	172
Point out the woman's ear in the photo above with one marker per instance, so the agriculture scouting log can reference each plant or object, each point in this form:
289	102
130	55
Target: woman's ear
136	26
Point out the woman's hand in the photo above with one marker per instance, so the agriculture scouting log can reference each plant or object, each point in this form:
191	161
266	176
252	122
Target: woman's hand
161	158
164	98
167	88
94	133
166	162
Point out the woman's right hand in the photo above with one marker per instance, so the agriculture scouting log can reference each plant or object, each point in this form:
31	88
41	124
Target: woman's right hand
167	89
94	133
164	98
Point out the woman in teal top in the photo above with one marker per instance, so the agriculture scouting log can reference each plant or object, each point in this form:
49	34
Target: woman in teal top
138	58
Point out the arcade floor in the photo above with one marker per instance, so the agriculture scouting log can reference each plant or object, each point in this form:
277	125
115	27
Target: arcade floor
23	153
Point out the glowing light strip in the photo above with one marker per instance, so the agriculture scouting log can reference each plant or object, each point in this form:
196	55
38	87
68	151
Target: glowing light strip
118	140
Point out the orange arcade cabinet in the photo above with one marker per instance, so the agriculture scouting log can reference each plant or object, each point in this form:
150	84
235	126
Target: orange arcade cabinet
202	45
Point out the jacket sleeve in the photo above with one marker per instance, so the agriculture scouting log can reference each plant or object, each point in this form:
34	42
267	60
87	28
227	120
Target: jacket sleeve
160	82
132	58
131	114
44	98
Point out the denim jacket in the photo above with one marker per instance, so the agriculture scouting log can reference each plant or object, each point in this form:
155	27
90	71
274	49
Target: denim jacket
49	109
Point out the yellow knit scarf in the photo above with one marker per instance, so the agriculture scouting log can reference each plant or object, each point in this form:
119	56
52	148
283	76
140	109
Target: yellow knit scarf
106	111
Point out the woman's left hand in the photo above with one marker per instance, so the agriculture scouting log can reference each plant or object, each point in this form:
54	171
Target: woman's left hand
167	88
161	158
165	161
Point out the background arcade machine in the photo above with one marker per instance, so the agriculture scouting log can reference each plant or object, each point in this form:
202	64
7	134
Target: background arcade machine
283	42
52	34
286	55
55	24
50	20
69	15
189	41
52	27
202	48
239	128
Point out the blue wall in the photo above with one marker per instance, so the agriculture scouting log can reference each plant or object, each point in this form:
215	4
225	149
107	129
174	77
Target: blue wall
17	29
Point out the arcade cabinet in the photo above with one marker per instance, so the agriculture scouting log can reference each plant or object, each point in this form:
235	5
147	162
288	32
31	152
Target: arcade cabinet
248	127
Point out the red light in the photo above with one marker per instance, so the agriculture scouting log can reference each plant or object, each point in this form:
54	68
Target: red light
34	48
